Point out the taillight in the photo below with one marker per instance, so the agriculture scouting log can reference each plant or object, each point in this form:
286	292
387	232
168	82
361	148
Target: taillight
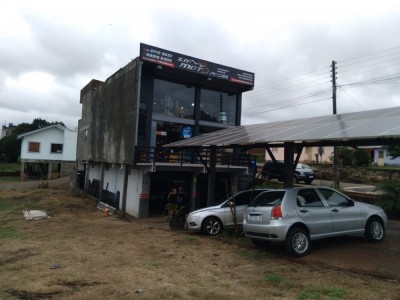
276	212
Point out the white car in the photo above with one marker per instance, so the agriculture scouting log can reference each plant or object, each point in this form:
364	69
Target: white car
212	220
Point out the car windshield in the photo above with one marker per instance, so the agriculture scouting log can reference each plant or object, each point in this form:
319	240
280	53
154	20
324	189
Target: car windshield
220	202
268	199
302	166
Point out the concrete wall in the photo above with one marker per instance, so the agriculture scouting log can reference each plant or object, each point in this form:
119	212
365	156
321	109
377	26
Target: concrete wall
107	130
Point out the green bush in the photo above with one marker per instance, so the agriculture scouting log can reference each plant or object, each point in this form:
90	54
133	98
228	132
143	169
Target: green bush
390	197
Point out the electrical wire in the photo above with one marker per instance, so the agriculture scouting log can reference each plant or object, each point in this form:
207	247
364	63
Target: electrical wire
300	90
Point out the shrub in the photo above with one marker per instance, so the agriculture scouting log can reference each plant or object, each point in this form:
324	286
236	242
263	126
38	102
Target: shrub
390	198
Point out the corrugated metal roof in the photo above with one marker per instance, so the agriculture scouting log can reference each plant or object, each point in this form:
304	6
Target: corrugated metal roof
361	126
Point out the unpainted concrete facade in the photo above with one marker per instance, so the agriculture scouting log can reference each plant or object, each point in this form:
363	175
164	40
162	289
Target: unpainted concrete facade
107	130
120	116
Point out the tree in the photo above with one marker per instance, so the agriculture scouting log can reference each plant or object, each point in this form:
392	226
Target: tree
361	158
393	151
346	156
389	200
10	149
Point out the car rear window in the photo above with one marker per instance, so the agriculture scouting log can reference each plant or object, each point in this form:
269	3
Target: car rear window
268	199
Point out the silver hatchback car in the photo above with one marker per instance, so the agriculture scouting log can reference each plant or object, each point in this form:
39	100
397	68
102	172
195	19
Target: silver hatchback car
213	219
296	216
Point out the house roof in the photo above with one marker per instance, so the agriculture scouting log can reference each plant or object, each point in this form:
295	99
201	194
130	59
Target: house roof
58	126
373	127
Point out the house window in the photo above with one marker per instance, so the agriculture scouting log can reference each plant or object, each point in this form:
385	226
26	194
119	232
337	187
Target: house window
34	147
56	148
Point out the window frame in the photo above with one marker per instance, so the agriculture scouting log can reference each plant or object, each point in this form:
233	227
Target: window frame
32	146
56	152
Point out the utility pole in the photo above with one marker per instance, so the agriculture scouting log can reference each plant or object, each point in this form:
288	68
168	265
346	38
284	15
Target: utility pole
335	149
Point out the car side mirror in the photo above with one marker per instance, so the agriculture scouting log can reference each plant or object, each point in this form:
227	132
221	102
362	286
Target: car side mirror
350	202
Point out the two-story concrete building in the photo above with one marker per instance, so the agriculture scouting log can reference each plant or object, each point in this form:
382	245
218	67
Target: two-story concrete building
158	98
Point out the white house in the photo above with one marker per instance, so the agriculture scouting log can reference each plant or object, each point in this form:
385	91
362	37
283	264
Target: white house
49	150
382	158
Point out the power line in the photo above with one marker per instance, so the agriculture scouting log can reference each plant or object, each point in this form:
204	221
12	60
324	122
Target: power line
348	94
281	94
370	54
266	111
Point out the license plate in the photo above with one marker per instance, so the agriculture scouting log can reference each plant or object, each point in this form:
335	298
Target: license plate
311	176
254	218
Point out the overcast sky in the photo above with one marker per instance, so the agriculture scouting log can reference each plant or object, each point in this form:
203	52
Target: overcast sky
49	50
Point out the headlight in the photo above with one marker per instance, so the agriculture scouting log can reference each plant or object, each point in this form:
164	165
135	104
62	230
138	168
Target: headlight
193	214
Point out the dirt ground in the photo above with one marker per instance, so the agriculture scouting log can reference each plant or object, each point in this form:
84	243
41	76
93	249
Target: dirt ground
78	253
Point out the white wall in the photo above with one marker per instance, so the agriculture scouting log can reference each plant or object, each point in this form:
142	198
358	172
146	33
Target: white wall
114	180
45	138
70	143
386	159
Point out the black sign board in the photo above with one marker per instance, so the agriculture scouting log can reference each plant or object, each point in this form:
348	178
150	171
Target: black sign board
175	60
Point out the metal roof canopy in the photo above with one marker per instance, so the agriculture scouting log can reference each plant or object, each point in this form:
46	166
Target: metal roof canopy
374	127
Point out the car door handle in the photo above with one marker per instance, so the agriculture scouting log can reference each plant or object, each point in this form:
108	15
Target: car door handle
335	210
303	210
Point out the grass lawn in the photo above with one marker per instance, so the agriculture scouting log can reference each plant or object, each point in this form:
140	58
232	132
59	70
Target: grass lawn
9	167
9	178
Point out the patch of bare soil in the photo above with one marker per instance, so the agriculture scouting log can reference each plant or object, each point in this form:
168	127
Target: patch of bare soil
98	257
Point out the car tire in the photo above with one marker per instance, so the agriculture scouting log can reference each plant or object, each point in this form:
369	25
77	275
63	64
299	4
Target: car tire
298	242
295	179
260	243
211	226
374	230
307	181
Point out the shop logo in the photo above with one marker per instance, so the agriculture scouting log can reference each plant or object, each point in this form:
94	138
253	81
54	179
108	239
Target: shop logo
219	75
187	132
192	65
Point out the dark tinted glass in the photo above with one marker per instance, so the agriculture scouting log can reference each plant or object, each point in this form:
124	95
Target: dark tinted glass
218	107
268	199
173	99
333	198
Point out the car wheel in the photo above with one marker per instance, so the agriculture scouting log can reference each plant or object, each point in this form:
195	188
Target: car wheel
295	179
260	243
298	242
211	226
307	181
374	230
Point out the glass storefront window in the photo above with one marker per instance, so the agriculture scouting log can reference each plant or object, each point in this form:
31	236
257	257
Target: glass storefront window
218	107
173	99
169	132
206	129
142	121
